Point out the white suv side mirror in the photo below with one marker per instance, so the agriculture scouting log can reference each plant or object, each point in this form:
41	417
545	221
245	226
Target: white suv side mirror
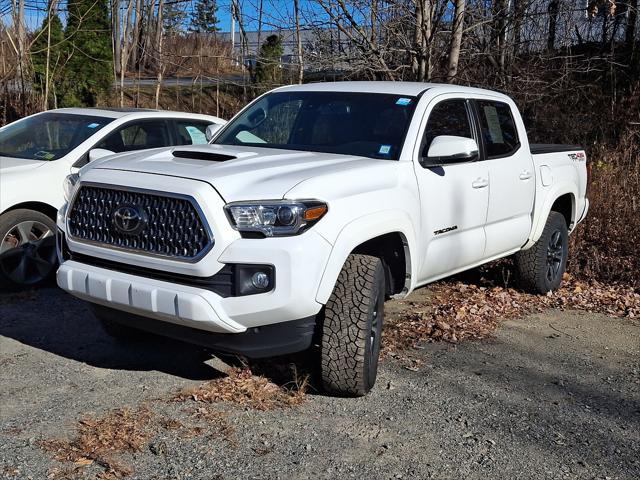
211	131
451	149
97	153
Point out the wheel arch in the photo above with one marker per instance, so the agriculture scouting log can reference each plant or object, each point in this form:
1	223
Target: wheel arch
388	235
41	207
561	199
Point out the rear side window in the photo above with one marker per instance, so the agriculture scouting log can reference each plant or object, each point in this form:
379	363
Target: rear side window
191	133
449	117
498	128
138	136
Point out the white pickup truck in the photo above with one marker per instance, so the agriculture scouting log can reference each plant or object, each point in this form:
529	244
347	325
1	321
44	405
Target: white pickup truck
309	209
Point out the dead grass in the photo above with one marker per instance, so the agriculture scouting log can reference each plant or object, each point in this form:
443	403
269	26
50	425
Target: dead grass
242	387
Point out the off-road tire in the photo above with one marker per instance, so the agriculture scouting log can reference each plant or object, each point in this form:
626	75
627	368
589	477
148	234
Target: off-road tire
533	265
352	326
113	328
35	274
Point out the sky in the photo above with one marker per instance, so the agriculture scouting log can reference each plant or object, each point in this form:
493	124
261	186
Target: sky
275	12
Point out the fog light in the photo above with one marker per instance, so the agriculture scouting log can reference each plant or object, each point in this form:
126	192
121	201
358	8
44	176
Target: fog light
260	280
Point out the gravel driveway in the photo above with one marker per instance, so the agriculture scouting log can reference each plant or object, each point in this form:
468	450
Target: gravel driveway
550	396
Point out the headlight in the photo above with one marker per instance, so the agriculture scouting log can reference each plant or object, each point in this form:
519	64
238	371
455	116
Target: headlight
276	218
69	184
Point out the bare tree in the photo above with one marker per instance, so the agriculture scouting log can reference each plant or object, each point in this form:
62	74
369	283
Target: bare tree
456	40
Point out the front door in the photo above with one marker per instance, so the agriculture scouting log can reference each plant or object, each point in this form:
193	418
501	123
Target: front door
454	197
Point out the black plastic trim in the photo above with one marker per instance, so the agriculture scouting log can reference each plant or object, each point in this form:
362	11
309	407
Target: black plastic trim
542	148
257	342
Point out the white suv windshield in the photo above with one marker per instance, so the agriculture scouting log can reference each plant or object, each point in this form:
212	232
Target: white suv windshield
48	136
364	124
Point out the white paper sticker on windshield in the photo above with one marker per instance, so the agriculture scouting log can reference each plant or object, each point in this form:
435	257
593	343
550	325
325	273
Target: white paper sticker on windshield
93	125
493	122
197	137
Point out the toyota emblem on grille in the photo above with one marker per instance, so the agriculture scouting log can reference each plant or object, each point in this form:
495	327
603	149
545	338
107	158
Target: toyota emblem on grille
129	219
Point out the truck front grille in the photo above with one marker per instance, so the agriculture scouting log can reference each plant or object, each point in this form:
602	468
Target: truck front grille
139	221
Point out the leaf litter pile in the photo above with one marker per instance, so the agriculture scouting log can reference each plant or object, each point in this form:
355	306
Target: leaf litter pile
472	306
101	440
242	387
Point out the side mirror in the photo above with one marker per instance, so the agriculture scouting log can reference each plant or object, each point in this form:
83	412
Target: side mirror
97	153
451	149
211	131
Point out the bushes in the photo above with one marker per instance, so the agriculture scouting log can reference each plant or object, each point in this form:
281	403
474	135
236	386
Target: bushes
606	246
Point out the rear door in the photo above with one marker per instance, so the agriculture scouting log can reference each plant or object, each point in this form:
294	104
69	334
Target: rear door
511	176
454	197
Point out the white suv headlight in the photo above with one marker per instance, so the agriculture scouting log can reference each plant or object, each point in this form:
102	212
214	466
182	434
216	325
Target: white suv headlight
278	218
69	184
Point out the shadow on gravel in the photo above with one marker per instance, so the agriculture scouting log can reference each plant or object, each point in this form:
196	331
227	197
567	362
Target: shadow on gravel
575	408
51	320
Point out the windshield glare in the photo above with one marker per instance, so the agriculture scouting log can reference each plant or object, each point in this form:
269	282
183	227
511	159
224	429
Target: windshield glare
363	124
48	136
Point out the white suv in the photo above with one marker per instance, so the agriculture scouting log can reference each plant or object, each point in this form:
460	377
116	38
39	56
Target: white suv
38	152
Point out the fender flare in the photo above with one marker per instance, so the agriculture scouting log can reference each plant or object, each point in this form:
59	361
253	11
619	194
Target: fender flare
542	213
359	231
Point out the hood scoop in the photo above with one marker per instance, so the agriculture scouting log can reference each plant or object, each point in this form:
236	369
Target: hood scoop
202	155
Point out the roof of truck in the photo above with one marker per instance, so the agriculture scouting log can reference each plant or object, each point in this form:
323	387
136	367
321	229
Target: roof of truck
395	88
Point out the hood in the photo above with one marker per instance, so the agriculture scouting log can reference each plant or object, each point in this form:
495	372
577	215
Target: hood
237	172
10	164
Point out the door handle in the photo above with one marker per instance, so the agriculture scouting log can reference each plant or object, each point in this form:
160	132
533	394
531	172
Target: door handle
480	183
525	175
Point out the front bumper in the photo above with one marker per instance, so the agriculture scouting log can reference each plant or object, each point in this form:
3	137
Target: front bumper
298	264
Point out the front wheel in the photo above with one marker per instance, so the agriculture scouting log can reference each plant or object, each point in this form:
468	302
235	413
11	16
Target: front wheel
540	268
27	247
352	327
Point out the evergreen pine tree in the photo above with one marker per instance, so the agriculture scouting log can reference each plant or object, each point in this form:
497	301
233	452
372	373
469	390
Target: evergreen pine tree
89	41
173	17
49	37
203	17
268	70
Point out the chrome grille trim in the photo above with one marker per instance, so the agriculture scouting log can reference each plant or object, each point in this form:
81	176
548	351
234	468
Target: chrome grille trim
203	243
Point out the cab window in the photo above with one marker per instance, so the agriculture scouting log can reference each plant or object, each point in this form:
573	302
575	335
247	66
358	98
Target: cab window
191	133
449	117
138	136
499	132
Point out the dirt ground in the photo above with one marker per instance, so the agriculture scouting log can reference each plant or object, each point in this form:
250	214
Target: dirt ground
549	396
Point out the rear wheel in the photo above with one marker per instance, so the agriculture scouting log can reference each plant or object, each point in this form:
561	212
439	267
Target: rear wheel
540	268
27	247
352	327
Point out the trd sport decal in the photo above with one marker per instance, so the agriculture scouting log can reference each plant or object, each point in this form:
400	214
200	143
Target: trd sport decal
445	230
577	157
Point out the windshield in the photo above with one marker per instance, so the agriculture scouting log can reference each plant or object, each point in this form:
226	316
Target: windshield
48	136
364	124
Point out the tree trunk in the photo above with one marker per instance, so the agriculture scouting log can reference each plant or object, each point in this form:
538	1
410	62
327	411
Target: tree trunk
630	28
554	6
160	63
456	40
296	4
115	29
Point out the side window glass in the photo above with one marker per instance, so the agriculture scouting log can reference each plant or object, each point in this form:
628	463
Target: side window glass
498	128
191	133
449	117
138	136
